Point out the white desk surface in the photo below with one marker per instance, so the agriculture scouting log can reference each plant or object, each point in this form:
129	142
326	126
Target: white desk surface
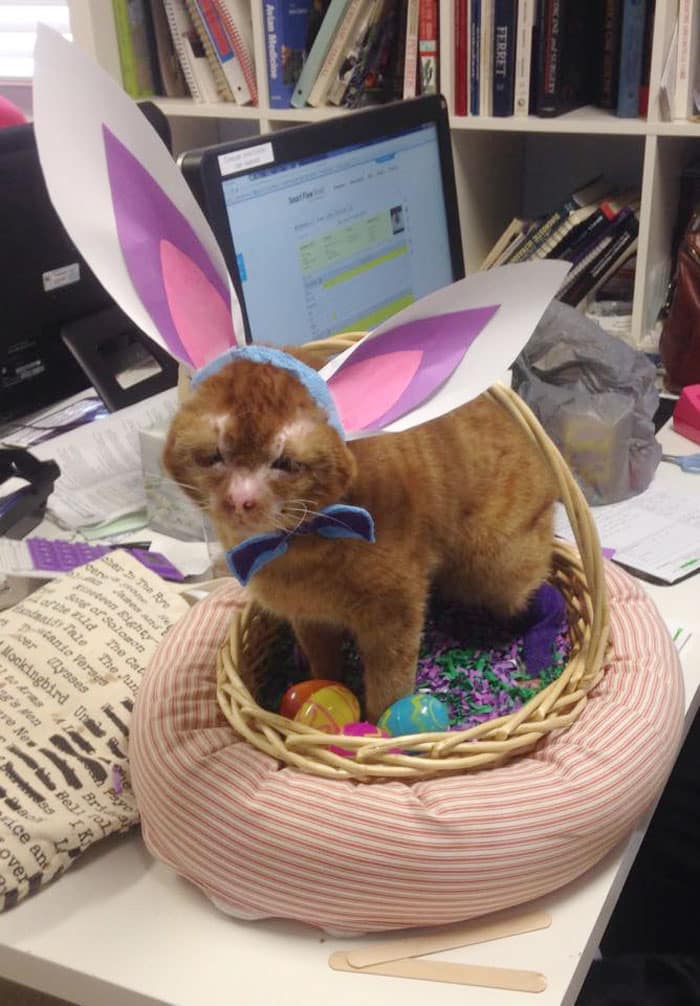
121	930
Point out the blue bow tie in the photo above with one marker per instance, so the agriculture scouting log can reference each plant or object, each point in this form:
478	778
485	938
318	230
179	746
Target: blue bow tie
337	521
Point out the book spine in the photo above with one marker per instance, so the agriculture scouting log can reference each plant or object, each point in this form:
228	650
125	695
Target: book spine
475	58
239	27
624	234
631	45
179	24
317	54
683	100
222	85
503	57
171	72
486	59
428	46
337	49
647	46
285	34
460	57
339	86
523	57
127	54
540	235
223	51
410	70
609	65
550	59
580	235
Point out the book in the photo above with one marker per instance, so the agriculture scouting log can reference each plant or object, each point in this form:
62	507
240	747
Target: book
631	48
475	58
222	48
236	16
512	231
588	230
667	83
554	225
222	85
317	53
486	58
132	26
687	59
618	243
191	54
461	49
428	66
565	66
523	57
336	52
285	23
504	25
410	70
611	28
371	79
173	79
339	86
647	50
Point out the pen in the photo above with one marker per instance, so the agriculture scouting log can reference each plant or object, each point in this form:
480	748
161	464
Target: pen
131	544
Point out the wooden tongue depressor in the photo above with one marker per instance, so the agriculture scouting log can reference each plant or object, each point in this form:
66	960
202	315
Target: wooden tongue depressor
446	971
478	931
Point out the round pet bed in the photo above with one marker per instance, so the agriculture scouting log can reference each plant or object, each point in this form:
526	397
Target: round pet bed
264	839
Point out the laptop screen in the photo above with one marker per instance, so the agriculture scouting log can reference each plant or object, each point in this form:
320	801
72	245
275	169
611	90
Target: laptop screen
340	233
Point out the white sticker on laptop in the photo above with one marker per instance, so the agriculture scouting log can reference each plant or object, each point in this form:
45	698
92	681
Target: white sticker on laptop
55	278
249	157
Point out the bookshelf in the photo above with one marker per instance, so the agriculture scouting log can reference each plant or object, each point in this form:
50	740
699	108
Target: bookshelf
504	166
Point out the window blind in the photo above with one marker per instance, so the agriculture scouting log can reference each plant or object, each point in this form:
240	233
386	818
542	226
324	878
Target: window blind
18	21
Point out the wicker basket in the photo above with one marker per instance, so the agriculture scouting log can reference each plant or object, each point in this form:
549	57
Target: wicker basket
579	577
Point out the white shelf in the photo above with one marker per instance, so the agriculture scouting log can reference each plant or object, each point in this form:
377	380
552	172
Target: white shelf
493	156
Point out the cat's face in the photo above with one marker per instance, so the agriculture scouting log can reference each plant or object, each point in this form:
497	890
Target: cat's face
252	448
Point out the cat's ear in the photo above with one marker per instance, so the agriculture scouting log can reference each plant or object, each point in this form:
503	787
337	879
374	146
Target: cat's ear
442	351
127	207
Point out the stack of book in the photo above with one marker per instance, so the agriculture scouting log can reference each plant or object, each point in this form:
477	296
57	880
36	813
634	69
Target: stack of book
595	229
175	48
547	57
350	52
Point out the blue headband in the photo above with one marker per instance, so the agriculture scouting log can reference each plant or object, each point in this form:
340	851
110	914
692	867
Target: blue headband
312	381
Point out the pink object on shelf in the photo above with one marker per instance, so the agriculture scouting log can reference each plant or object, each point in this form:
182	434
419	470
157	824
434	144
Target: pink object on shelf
10	114
686	415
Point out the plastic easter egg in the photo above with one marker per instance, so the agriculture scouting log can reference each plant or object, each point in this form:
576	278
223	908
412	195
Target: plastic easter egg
329	709
296	695
415	714
361	729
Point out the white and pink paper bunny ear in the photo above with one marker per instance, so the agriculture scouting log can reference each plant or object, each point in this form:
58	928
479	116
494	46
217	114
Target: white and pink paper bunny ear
128	209
442	351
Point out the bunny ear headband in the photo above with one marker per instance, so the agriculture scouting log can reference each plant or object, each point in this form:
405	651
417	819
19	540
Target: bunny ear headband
126	206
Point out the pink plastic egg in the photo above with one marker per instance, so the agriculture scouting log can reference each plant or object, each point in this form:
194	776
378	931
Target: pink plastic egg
361	729
329	709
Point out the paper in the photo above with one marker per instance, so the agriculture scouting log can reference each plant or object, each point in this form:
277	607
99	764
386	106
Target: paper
656	532
100	464
125	204
79	410
441	351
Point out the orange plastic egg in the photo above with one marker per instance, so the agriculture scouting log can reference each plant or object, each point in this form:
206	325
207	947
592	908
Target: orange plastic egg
329	709
296	695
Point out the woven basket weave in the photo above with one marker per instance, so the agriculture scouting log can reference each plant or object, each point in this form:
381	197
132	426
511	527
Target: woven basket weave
579	577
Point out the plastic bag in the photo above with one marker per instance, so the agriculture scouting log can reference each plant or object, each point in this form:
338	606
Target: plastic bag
596	398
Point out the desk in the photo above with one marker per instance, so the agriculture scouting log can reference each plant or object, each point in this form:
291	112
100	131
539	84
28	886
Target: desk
122	930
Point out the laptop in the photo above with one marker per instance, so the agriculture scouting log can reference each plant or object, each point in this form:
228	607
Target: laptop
334	226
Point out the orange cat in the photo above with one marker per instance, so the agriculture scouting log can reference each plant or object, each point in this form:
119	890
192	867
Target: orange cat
463	503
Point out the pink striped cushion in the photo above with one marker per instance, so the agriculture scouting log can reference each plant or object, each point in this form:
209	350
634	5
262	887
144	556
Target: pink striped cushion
265	840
